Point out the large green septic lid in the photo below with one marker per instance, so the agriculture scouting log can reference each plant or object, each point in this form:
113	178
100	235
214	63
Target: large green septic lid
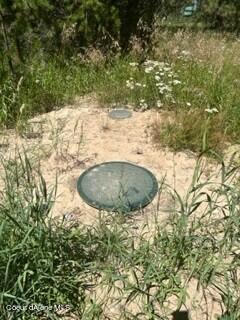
117	186
120	113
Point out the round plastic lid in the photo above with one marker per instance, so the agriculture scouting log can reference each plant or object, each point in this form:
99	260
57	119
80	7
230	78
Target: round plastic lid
120	113
117	186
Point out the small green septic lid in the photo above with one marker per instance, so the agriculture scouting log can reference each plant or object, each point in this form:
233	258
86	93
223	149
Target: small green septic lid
117	186
120	113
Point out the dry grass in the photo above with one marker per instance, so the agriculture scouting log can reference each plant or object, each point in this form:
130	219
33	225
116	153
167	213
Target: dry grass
210	48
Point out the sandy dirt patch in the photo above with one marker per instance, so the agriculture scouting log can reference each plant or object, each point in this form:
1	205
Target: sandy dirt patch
68	141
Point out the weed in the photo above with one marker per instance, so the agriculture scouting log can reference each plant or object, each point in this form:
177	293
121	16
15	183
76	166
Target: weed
46	261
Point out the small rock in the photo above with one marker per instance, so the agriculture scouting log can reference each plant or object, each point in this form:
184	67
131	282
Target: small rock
138	151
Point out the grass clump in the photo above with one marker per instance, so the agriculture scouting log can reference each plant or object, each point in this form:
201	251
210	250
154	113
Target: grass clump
47	262
42	260
206	99
176	131
46	83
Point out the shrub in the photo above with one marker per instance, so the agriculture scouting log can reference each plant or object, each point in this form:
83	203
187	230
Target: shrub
221	14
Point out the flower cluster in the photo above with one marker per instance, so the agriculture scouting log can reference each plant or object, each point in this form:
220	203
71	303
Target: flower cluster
143	105
151	65
213	110
160	78
132	85
133	64
164	78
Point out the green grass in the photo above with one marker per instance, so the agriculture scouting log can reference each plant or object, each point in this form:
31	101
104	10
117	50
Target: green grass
205	66
47	261
196	72
46	83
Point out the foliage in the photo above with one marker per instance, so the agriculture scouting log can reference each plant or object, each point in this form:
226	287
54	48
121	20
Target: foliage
192	76
36	267
47	262
54	25
221	14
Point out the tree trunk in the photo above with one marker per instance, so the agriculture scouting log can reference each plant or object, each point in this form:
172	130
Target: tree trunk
6	43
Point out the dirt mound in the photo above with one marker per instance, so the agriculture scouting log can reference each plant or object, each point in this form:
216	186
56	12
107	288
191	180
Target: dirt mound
68	141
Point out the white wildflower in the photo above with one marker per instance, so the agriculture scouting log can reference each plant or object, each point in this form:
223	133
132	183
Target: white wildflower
160	84
148	69
133	64
175	81
188	104
157	78
143	104
153	63
161	90
208	110
130	84
213	110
